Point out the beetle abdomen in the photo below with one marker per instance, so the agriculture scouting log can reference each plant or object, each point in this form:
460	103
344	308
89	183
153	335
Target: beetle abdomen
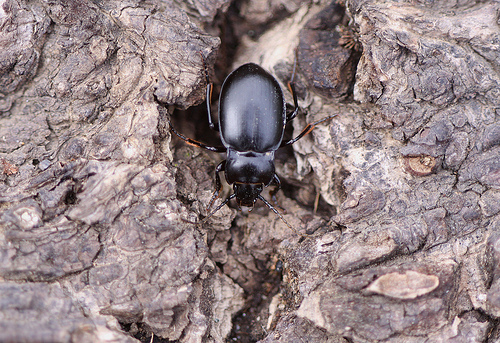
251	110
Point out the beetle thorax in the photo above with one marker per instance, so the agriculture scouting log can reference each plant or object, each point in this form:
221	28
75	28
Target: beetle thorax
249	167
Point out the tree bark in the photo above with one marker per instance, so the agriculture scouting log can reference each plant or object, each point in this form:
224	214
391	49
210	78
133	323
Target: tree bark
102	236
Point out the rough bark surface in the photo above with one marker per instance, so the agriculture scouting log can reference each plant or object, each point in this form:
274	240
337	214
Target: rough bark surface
98	208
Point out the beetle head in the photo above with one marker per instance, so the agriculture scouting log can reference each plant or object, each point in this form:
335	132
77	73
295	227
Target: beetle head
247	193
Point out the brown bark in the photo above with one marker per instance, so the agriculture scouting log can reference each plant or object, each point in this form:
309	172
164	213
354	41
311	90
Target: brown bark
97	241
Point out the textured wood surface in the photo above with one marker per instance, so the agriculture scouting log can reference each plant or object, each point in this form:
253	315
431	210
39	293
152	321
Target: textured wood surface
97	201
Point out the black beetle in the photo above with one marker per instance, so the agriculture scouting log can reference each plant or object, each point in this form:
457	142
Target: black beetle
252	120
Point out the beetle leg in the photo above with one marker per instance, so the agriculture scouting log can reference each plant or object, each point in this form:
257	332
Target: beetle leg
196	143
218	184
218	207
211	124
277	186
208	96
306	130
292	115
291	88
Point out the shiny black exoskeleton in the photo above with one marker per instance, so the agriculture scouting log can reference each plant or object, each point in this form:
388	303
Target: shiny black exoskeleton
252	119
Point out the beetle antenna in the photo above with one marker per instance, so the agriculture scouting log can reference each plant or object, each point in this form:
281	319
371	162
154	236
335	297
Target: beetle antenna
281	217
218	208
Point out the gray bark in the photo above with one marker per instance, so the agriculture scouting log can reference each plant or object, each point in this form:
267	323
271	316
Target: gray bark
98	205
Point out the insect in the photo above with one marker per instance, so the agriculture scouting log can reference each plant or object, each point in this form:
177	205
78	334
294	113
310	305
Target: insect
252	120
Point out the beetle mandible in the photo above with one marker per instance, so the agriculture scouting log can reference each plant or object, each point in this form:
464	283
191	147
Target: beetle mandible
252	120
